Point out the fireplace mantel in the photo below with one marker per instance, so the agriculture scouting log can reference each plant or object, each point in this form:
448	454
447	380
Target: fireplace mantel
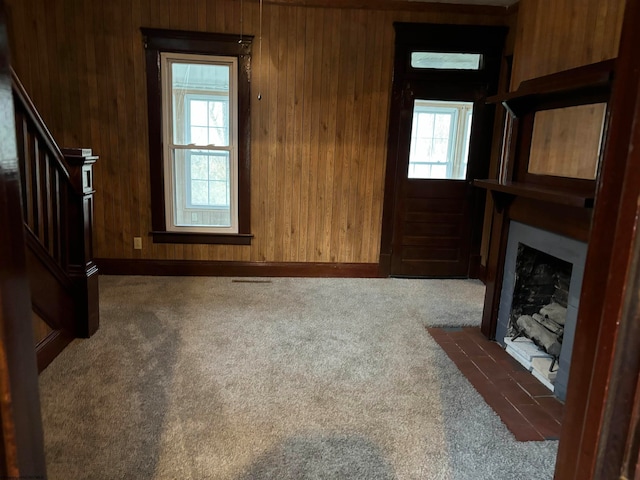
560	204
504	192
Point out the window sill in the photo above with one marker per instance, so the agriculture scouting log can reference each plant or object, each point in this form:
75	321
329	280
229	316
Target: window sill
202	238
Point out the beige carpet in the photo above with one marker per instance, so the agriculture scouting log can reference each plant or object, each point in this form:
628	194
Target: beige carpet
209	378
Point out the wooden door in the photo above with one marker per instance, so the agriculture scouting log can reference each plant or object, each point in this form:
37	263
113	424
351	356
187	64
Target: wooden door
21	445
434	205
432	213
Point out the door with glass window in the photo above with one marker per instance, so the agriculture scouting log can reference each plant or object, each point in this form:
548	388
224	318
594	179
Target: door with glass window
439	141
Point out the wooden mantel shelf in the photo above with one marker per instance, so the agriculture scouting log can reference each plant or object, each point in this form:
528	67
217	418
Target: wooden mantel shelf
503	193
577	86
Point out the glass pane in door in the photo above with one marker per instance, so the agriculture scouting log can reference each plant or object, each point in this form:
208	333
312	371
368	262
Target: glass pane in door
440	139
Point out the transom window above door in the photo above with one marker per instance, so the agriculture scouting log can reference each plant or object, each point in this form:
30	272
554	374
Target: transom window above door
446	61
440	135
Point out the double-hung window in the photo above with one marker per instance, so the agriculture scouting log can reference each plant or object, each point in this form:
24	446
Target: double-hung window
198	91
209	178
200	133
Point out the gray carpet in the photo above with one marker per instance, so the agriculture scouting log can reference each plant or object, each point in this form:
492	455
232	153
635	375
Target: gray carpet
207	378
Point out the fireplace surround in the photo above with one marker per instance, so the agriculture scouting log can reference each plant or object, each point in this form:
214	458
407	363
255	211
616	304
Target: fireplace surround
552	124
564	248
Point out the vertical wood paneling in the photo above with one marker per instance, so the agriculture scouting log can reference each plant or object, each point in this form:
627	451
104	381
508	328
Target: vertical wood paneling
559	35
269	93
297	172
555	37
318	135
307	197
566	141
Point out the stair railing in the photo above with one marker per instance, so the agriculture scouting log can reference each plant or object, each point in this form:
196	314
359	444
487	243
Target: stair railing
57	199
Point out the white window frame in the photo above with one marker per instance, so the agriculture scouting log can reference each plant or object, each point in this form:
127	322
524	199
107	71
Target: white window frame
169	147
458	140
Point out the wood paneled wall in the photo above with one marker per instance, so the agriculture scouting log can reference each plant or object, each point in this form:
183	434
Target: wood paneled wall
551	37
556	36
566	141
318	135
563	34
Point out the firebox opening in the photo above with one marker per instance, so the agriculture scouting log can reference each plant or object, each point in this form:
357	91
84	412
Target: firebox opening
538	312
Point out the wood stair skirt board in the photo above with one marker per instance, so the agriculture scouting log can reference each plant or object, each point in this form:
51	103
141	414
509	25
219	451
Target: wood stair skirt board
50	347
123	266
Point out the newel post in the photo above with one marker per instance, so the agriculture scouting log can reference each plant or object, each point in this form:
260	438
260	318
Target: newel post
82	269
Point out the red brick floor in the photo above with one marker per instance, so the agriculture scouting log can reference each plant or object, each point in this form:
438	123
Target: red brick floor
527	408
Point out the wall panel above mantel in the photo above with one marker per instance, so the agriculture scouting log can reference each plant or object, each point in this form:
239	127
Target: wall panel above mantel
558	35
318	135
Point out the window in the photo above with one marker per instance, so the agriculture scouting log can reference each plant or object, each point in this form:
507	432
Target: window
446	61
199	131
440	136
198	97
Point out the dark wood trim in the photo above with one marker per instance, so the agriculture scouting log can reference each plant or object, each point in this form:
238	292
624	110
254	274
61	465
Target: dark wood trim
23	101
620	436
21	436
157	41
201	238
473	86
631	462
49	348
41	255
58	212
123	266
474	265
560	205
385	265
399	5
599	404
482	273
572	222
494	271
581	185
577	86
513	9
537	192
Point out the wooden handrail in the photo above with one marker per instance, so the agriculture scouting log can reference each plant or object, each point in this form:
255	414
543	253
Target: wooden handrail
57	202
22	99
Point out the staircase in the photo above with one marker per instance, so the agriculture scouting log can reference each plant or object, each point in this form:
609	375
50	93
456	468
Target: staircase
57	203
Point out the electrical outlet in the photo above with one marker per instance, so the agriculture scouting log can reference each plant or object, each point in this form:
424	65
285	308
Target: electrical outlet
137	243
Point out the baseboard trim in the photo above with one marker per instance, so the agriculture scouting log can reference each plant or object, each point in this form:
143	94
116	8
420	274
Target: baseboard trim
49	348
122	266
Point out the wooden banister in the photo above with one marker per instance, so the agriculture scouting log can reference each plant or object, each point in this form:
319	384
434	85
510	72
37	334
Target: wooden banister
82	268
57	202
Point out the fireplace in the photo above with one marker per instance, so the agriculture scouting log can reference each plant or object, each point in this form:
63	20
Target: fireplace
539	301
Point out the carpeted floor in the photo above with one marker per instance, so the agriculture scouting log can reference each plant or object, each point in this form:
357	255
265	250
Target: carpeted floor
209	378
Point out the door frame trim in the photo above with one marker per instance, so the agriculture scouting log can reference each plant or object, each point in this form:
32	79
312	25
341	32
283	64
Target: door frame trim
487	40
21	433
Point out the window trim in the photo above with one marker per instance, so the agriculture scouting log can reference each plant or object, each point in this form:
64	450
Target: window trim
157	41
